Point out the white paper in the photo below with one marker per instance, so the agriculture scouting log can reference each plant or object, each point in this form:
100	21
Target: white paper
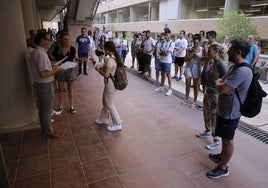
68	65
60	61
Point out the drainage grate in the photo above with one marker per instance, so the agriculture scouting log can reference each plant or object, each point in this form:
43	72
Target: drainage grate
255	132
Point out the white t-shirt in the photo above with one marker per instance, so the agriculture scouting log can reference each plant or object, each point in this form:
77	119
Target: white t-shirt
167	46
117	42
148	46
180	43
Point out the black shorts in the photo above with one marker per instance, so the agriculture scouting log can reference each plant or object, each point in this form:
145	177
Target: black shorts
225	128
179	61
147	59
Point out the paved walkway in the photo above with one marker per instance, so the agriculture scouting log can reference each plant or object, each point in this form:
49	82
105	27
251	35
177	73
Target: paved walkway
157	147
261	120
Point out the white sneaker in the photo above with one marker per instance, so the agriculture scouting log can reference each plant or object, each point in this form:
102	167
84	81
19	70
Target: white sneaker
169	92
184	102
117	127
52	120
102	121
193	105
160	88
56	113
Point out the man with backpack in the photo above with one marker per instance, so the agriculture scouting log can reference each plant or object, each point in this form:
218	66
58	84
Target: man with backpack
237	79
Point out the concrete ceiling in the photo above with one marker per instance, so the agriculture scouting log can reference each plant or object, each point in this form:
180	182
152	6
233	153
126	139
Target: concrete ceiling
48	9
80	9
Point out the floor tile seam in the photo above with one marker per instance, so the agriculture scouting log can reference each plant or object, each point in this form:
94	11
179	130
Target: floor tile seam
30	176
77	153
18	159
109	157
49	164
103	179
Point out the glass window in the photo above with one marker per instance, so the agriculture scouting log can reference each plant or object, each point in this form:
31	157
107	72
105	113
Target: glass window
141	12
123	15
254	8
204	8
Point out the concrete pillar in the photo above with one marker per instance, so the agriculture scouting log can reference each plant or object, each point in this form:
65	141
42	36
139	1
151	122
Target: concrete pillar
231	5
28	15
17	108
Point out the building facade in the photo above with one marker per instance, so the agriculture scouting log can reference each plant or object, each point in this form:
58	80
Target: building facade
189	15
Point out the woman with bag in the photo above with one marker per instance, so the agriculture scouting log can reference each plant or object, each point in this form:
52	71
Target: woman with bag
106	69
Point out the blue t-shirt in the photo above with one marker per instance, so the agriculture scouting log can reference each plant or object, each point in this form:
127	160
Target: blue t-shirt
83	44
252	53
240	79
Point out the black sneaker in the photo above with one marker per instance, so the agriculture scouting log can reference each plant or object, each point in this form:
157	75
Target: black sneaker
218	172
215	157
60	109
85	73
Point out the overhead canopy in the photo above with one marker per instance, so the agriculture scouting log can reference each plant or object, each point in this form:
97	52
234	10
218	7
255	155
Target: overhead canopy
79	9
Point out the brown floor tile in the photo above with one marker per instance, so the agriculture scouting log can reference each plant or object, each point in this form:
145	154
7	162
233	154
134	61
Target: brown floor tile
61	143
11	170
92	153
61	122
11	139
114	182
82	129
77	119
63	158
11	154
40	181
33	136
68	177
86	139
137	178
33	166
99	170
35	149
66	131
125	162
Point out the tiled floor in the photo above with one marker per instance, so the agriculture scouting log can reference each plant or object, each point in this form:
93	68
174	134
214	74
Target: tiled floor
157	147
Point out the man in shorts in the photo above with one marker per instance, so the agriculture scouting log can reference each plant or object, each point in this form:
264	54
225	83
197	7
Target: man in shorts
166	51
228	110
180	53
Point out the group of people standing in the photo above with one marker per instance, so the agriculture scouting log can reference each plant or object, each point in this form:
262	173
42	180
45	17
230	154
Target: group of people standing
206	62
201	56
45	60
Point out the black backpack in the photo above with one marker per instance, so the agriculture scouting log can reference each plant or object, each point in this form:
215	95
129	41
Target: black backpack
252	105
120	78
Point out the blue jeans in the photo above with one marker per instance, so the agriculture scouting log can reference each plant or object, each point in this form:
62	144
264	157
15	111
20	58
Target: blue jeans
45	95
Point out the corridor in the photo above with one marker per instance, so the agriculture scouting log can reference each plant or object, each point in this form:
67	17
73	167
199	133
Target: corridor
157	147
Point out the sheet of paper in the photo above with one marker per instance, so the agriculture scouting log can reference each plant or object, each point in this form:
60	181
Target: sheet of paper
60	61
68	65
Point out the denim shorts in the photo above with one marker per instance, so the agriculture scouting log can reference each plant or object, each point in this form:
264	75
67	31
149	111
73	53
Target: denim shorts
165	67
157	64
225	128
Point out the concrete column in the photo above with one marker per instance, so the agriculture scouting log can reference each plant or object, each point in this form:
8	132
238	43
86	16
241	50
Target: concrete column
17	108
231	5
28	15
